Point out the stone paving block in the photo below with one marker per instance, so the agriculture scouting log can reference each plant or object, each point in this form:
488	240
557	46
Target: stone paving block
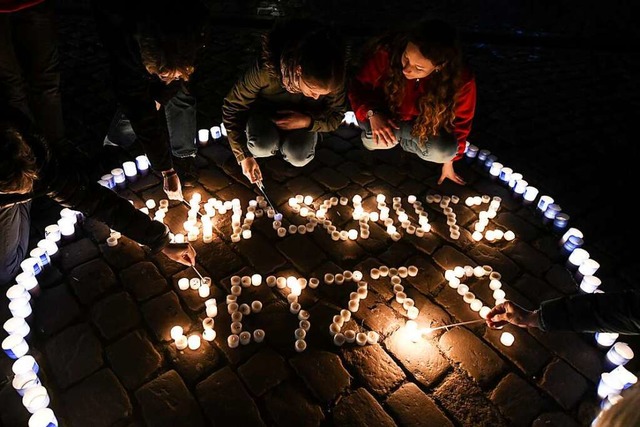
115	315
440	228
534	289
143	182
429	279
430	313
166	401
493	188
134	359
235	356
422	359
193	365
167	266
524	231
344	252
473	355
484	254
50	276
526	353
13	412
412	407
76	253
554	419
563	383
453	304
143	280
301	252
518	401
380	286
323	373
374	367
73	354
54	309
190	297
96	230
91	279
164	312
99	400
126	253
528	258
562	279
382	319
464	400
224	398
218	258
288	405
328	157
260	254
378	240
573	348
389	174
549	245
396	254
305	186
265	370
447	257
355	173
361	409
330	179
213	180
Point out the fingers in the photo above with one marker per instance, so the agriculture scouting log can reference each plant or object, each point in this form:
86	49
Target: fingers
393	124
190	255
458	179
441	179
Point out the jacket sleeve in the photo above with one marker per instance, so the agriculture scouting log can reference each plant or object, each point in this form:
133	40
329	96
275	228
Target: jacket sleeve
75	190
235	108
609	312
132	85
465	110
330	117
366	91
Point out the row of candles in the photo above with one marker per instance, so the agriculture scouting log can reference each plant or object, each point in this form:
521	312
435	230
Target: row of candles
26	381
579	261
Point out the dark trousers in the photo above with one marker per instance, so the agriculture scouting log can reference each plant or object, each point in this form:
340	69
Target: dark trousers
14	239
29	76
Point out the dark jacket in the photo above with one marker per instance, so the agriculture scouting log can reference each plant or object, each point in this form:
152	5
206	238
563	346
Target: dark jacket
135	88
260	86
63	182
602	312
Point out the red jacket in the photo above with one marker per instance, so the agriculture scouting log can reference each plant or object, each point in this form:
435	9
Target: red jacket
367	93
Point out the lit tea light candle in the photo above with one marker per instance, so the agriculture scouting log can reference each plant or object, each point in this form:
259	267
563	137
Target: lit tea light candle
350	336
509	235
588	267
244	309
609	384
373	337
578	256
43	418
507	339
245	337
560	221
589	284
35	398
258	335
353	305
624	376
544	203
462	289
571	232
361	338
246	234
300	346
499	294
236	327
294	308
181	342
606	339
52	233
204	291
20	308
17	326
413	312
620	353
552	211
484	311
209	335
233	341
194	283
256	279
130	169
339	339
256	306
475	305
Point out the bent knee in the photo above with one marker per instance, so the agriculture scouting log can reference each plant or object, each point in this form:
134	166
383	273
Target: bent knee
443	150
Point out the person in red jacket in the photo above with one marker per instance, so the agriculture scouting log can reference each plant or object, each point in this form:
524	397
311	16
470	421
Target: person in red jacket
414	90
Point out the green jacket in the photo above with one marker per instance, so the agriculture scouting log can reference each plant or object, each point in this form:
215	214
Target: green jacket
259	87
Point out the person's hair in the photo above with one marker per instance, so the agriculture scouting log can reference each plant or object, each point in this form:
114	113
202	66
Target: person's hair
437	42
169	39
317	49
623	413
18	167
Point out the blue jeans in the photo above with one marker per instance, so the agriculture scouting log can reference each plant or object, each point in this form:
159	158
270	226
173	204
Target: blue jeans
441	148
14	239
181	124
264	139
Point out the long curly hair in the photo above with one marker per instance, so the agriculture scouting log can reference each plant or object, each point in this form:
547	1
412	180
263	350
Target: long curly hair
437	42
317	49
18	167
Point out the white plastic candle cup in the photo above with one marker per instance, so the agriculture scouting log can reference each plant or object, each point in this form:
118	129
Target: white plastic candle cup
35	398
49	247
606	339
469	297
43	418
193	342
495	169
31	266
609	384
181	342
24	381
194	283
216	132
40	255
20	308
624	376
552	211
52	233
577	257
209	335
176	332
25	364
588	267
15	346
590	284
515	177
67	227
183	284
203	136
300	346
118	175
17	326
570	232
530	193
507	339
544	203
204	291
233	341
18	290
142	164
520	186
130	169
620	353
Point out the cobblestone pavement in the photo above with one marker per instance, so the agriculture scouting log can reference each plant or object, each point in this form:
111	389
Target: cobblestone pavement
558	113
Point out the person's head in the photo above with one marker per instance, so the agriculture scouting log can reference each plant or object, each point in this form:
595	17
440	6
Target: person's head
623	413
169	39
18	166
308	57
429	50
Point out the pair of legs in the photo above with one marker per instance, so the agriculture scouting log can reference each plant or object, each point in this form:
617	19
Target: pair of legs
14	244
29	76
264	139
180	112
438	149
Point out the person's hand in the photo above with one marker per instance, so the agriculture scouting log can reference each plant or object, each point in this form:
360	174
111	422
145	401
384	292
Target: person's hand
510	312
180	252
290	120
448	172
382	130
251	170
171	185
